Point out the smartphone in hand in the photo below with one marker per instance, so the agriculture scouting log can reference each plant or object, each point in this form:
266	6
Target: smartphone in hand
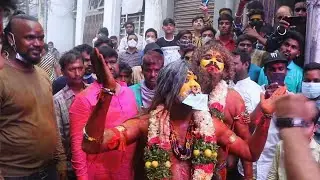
275	80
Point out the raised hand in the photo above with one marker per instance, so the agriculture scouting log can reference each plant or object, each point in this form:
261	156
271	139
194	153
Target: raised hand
252	32
268	104
102	70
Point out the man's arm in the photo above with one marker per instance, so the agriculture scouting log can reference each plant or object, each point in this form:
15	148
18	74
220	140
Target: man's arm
250	150
208	20
239	13
59	119
241	127
134	128
299	163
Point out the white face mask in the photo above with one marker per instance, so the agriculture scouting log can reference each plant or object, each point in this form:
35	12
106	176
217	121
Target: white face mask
132	43
18	56
150	40
206	39
311	90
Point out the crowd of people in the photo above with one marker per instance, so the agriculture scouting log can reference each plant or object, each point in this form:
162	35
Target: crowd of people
201	104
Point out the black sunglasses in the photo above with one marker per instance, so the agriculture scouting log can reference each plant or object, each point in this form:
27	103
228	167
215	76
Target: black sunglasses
300	9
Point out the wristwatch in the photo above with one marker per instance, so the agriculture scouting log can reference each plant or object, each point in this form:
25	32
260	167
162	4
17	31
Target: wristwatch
291	122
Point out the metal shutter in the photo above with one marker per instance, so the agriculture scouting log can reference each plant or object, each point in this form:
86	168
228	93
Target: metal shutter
186	10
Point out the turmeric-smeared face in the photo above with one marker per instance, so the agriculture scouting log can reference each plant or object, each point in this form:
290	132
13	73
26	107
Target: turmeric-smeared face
190	86
212	62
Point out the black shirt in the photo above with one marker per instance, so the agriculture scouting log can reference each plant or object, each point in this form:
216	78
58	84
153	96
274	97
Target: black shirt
164	43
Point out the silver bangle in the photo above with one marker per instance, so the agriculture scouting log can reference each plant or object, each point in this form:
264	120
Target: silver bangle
281	34
108	91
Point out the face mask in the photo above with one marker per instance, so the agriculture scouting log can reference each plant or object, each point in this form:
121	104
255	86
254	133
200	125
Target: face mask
132	43
150	40
18	56
185	44
257	24
206	39
311	90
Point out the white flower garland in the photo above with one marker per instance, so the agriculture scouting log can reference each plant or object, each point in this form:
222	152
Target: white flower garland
219	94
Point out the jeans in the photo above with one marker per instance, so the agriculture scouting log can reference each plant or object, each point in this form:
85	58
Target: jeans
47	173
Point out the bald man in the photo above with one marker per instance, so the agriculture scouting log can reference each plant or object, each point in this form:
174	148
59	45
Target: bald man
30	143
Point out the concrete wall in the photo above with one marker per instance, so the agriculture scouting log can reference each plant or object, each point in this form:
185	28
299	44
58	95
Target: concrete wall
61	25
111	16
232	4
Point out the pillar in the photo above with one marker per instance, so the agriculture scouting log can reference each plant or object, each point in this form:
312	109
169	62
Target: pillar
312	47
111	16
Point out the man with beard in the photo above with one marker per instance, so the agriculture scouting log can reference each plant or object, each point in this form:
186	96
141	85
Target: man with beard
30	143
226	31
88	78
291	48
110	165
213	64
171	122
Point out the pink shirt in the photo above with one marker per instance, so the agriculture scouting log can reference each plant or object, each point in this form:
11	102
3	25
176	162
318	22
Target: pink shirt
113	165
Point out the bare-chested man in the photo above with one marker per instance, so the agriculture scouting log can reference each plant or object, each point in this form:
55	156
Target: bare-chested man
182	142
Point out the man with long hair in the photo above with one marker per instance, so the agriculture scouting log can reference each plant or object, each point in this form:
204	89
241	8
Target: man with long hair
173	128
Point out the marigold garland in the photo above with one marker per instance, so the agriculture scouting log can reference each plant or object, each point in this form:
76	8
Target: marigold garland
204	158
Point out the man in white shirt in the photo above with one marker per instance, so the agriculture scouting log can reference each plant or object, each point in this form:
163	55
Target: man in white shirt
248	89
129	26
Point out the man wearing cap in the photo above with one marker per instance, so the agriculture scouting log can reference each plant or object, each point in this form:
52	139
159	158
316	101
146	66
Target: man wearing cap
290	49
275	68
152	62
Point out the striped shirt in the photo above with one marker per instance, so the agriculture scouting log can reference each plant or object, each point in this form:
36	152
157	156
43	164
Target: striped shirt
132	59
48	63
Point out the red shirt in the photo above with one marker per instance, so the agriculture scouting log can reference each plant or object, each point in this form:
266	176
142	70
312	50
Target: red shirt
229	44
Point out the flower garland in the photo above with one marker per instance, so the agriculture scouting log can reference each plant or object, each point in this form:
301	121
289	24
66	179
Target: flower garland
217	100
157	157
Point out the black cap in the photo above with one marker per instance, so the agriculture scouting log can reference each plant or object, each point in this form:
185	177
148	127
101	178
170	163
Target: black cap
152	47
273	57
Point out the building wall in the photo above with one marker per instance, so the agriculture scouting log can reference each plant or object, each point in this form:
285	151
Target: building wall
155	12
61	25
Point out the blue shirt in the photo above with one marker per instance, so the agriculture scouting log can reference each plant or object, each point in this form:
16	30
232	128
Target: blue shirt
293	79
254	72
137	93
